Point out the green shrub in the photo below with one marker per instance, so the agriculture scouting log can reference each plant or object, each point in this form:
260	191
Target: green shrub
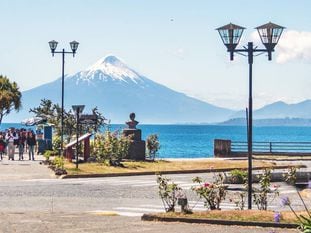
110	147
168	193
212	193
153	145
238	176
56	142
58	162
48	153
260	194
291	175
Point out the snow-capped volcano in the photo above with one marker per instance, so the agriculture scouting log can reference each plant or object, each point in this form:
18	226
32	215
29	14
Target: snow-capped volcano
109	67
118	90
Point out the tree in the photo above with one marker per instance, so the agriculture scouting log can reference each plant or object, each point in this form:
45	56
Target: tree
52	112
10	97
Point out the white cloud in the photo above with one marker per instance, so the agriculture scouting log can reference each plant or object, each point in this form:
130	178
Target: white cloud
293	46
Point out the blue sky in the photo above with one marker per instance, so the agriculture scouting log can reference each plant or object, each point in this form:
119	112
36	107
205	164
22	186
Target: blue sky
171	42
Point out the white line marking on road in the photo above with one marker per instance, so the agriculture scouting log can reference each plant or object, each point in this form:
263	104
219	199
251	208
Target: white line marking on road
129	214
137	209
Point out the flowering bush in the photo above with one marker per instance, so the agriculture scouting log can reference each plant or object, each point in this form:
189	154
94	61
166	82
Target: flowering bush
153	145
261	194
305	221
111	147
212	193
168	192
277	217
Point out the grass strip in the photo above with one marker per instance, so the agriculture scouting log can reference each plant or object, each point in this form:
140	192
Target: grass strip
162	166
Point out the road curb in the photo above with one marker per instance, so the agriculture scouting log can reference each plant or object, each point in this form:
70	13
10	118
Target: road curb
164	172
150	217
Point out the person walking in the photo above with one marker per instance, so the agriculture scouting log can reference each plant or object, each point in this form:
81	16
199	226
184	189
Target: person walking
10	137
21	145
2	146
31	142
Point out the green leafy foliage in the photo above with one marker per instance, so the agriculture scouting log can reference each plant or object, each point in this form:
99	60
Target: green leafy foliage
304	221
238	176
52	112
291	175
261	194
212	193
48	153
305	226
56	142
110	147
10	97
58	162
153	145
168	193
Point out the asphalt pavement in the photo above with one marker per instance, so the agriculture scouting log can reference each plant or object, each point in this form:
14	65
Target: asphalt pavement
33	200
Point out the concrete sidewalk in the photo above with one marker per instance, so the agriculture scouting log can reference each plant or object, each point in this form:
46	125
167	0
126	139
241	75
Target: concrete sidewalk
81	222
24	169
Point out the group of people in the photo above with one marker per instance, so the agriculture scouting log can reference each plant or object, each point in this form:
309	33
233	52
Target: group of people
21	139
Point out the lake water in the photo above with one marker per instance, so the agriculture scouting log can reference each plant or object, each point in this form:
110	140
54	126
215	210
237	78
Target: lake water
196	141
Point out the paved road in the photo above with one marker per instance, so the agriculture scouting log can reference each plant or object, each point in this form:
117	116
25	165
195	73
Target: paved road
128	196
33	201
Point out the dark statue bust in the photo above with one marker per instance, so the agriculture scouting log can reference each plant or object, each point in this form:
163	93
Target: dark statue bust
132	123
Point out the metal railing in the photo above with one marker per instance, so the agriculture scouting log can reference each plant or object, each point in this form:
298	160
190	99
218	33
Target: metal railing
273	147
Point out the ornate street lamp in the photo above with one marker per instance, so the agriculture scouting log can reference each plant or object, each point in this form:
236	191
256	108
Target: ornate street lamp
78	109
53	45
270	34
74	46
231	35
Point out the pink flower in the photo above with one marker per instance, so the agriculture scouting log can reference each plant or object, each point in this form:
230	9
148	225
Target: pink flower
206	184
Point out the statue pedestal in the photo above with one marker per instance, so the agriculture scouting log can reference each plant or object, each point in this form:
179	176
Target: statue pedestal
137	150
135	132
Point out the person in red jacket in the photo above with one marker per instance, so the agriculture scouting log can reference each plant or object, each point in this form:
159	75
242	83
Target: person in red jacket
2	146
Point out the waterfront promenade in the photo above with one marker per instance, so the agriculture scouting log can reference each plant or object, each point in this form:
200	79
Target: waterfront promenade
24	169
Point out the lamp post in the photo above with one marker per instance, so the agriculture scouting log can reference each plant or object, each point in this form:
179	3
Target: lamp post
74	46
78	109
270	34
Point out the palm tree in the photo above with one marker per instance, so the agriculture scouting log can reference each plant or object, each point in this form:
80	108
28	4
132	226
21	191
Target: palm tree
10	97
